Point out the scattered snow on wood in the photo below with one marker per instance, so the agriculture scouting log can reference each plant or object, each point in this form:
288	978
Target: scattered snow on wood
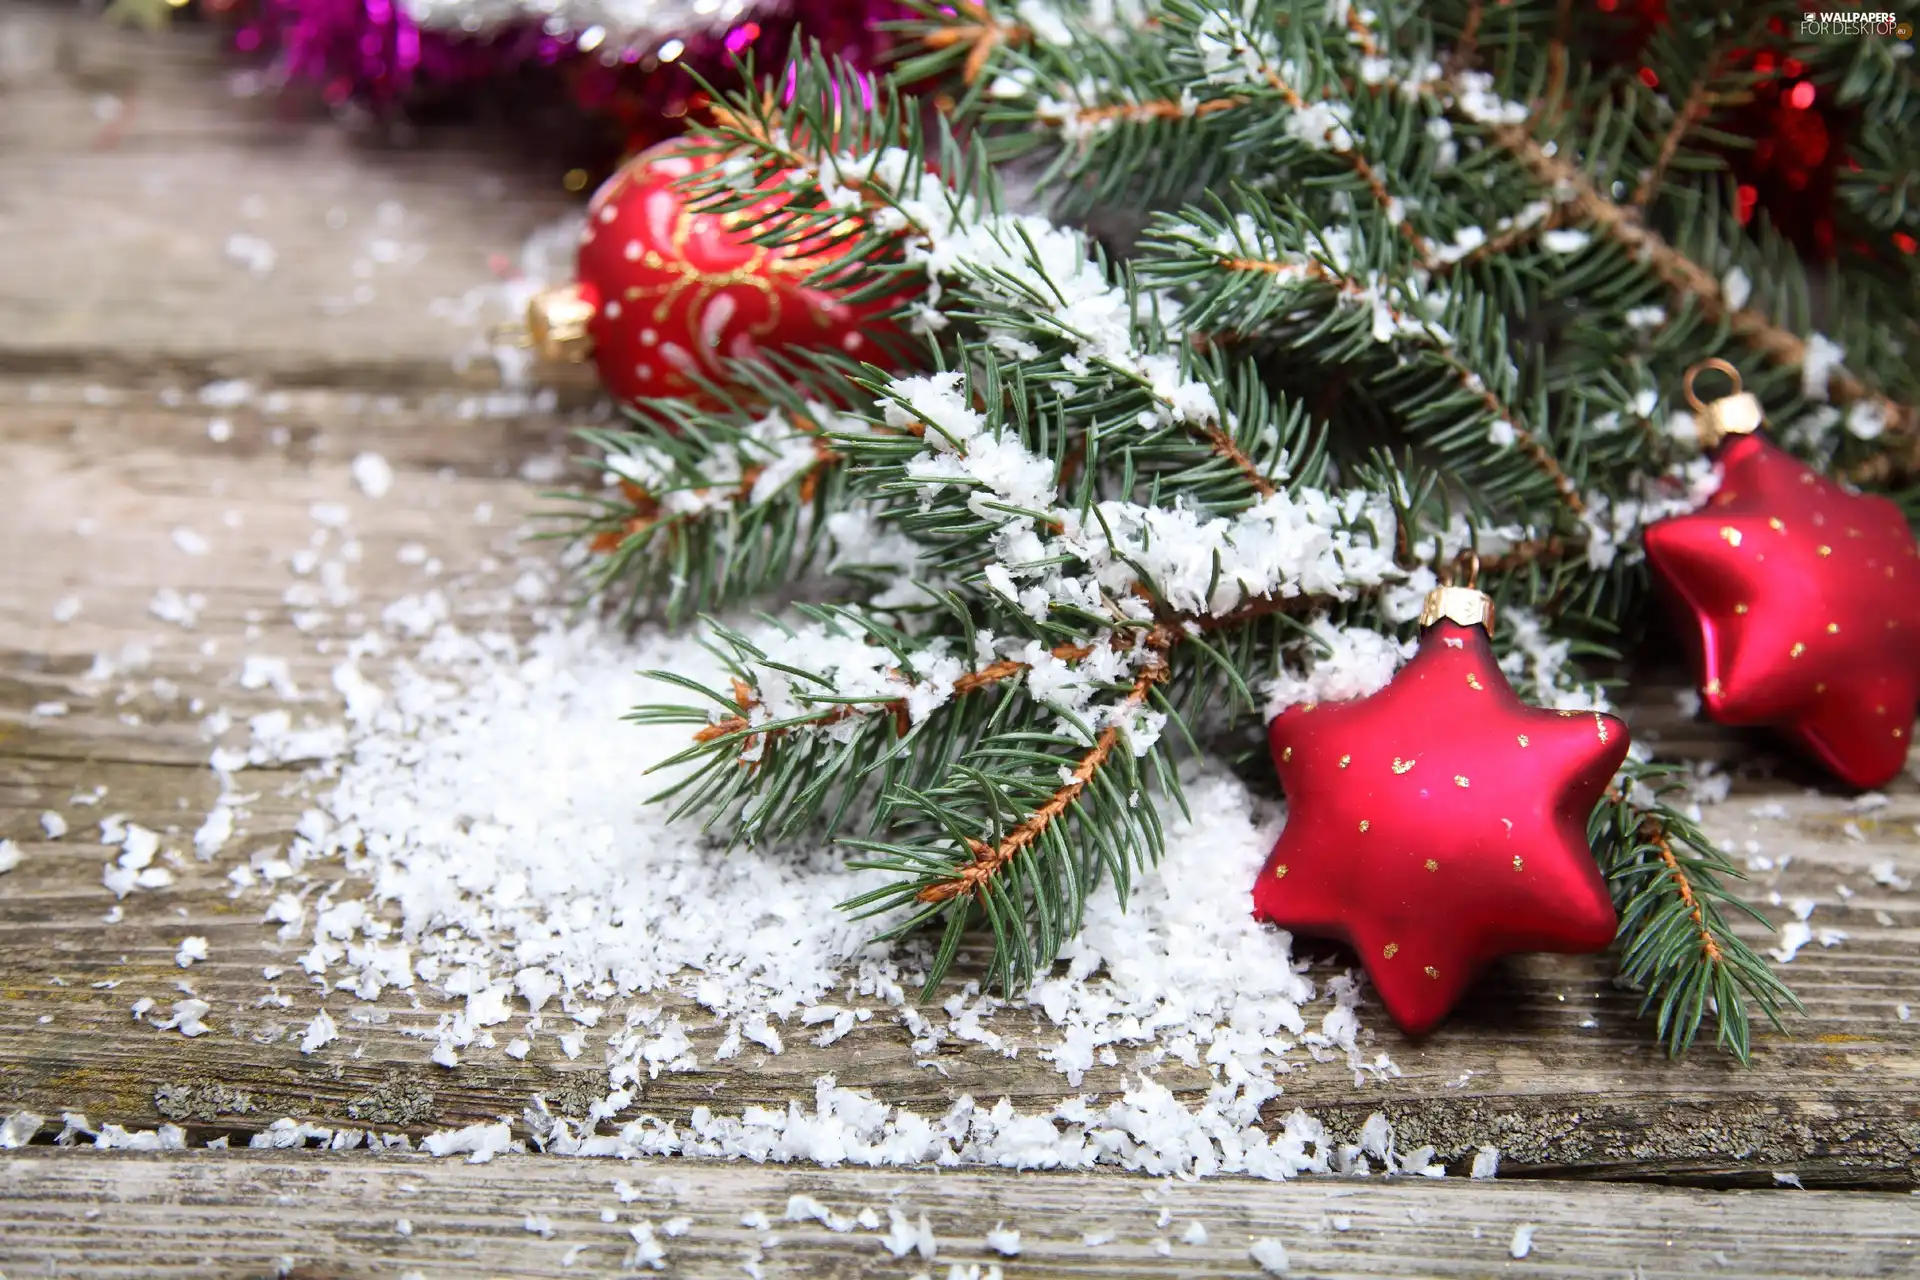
1522	1243
1003	1241
1270	1256
186	1017
485	800
478	1142
373	473
320	1031
17	1129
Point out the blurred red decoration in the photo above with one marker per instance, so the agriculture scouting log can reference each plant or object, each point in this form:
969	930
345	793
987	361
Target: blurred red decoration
1803	601
1787	171
665	294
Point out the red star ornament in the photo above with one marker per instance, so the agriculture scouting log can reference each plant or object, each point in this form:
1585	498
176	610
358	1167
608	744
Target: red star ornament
1440	823
1804	601
664	293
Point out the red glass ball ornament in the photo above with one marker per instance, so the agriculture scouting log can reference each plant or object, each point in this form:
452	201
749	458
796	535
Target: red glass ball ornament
665	294
1440	823
1803	602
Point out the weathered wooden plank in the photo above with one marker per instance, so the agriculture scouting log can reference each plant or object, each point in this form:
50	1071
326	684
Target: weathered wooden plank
155	221
257	1213
1547	1062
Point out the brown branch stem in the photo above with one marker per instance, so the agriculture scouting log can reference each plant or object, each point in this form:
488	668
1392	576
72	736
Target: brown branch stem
981	30
646	505
1654	832
1688	279
972	682
1224	446
1700	101
1525	440
1500	245
989	860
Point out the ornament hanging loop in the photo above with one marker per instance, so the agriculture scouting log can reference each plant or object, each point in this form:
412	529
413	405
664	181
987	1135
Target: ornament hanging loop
1737	413
1716	365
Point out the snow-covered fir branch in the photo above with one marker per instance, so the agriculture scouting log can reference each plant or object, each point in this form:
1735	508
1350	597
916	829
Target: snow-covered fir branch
1107	510
1216	65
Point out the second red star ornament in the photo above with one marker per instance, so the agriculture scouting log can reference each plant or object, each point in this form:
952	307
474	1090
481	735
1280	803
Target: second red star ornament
1441	822
1802	600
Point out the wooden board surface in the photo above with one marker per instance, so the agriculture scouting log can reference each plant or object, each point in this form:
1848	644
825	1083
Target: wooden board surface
252	1213
124	298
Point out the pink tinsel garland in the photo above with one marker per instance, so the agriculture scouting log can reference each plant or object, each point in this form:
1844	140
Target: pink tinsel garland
372	53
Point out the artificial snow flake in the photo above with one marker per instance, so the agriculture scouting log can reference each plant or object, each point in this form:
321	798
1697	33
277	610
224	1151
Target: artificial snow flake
1737	287
1867	419
1270	1256
1003	1241
186	1017
373	473
319	1033
1823	356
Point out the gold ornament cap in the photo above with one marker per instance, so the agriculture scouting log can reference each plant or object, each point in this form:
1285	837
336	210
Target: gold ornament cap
1465	605
557	321
1737	413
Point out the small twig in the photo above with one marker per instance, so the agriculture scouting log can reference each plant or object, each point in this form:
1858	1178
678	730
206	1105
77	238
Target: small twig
646	506
1523	439
972	682
1152	109
1263	607
1363	38
1533	551
1361	167
1622	224
1655	831
1557	59
1900	462
981	30
1223	445
1504	243
1700	102
989	860
1463	50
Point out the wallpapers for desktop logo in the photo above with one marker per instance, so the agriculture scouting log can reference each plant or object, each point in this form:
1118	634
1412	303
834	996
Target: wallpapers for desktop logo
1855	22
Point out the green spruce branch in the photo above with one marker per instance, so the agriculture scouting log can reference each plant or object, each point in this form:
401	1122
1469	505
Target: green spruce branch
1149	105
1677	948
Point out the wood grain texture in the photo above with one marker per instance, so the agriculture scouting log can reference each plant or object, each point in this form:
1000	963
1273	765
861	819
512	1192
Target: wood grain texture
138	189
116	312
252	1213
